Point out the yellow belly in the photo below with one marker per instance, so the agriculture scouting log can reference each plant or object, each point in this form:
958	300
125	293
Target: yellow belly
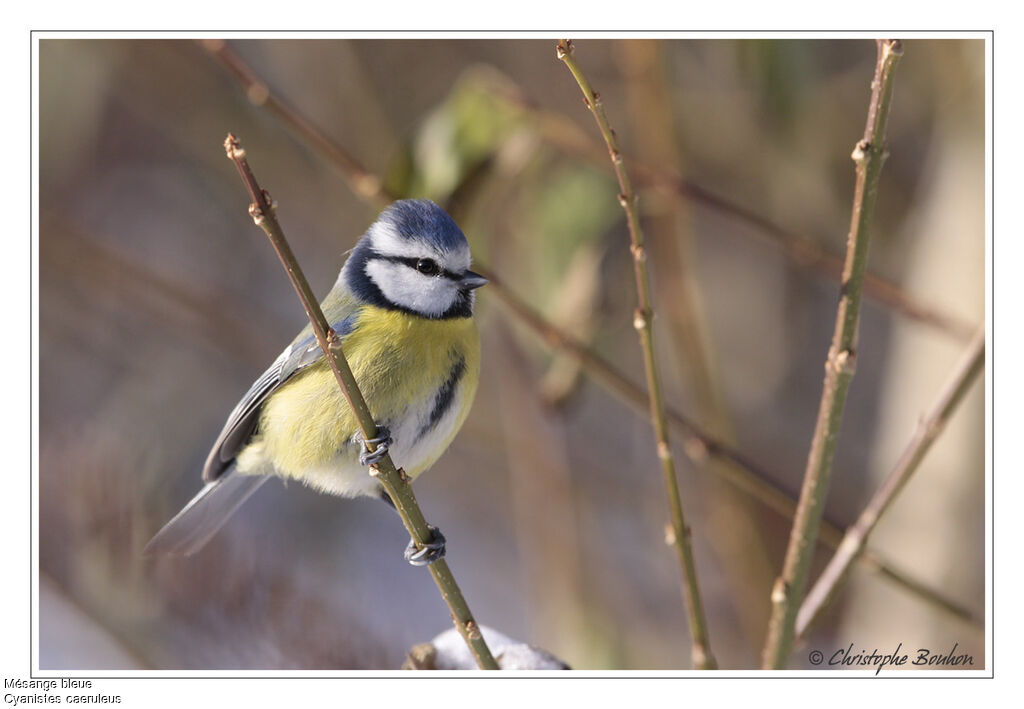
400	361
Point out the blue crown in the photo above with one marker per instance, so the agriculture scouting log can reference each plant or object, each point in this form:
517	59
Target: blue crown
421	218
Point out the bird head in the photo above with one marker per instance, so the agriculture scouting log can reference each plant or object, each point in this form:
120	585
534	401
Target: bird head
416	259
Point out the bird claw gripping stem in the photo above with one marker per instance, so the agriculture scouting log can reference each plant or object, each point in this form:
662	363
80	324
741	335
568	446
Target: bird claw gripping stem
432	551
382	443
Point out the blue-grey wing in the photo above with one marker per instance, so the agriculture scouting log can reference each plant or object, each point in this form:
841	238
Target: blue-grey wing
241	423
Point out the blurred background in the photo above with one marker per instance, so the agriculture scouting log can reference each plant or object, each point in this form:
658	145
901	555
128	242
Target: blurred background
160	302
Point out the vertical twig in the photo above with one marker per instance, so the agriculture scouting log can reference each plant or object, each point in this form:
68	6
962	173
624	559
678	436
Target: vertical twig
868	155
392	479
732	524
928	429
642	321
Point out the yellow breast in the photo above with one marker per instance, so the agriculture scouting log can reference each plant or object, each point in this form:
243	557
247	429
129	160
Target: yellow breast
400	362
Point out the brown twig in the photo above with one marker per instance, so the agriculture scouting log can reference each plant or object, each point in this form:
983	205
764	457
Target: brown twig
392	479
868	157
643	322
364	183
928	429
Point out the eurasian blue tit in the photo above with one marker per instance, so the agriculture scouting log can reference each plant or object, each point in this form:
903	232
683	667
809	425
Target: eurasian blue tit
403	306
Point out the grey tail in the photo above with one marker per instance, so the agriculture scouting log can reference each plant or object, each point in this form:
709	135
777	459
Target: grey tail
200	519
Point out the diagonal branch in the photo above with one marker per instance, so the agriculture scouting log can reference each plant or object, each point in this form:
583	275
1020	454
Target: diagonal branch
364	183
393	480
868	157
928	429
642	321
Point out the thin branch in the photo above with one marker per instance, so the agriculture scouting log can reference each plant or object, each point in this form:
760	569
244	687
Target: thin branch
732	528
868	157
642	321
393	480
743	473
803	251
928	429
364	183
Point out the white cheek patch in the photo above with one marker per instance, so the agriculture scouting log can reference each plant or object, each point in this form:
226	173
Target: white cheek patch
429	295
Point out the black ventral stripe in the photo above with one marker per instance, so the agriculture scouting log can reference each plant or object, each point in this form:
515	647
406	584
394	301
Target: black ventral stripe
445	396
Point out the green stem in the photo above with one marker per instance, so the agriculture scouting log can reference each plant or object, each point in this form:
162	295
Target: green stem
642	321
393	480
868	157
928	429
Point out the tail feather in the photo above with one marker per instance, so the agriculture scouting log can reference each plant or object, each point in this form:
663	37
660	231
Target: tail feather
208	511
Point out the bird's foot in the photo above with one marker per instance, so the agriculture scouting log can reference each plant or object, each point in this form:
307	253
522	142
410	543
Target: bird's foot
382	442
432	551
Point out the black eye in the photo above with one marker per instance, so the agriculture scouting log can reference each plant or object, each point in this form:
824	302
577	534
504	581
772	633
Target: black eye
427	267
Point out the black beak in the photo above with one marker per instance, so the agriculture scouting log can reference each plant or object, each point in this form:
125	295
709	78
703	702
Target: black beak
471	281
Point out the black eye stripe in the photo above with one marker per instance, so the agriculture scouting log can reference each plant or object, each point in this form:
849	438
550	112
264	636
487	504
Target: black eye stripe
412	262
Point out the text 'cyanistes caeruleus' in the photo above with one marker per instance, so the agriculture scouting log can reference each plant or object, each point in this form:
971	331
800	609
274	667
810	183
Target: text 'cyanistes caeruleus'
403	306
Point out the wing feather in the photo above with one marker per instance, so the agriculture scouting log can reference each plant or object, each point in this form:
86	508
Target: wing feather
242	421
